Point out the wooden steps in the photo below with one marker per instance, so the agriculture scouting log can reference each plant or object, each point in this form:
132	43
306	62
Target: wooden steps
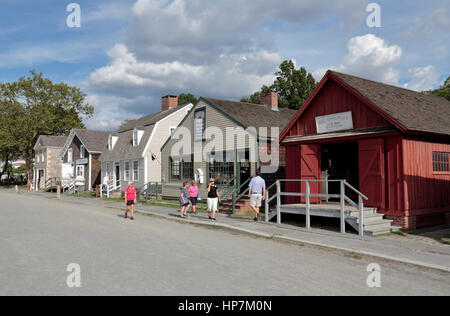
374	223
242	207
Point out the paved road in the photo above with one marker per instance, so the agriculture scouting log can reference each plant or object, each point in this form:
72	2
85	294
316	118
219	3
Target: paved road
39	237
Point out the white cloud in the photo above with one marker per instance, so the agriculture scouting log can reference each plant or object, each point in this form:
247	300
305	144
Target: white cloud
422	78
230	75
371	57
214	48
109	112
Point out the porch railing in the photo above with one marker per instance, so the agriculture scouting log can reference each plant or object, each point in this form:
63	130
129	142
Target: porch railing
69	185
236	193
109	188
343	198
151	189
52	183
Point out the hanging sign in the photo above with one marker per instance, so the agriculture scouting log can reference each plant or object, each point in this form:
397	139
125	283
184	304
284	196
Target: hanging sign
334	122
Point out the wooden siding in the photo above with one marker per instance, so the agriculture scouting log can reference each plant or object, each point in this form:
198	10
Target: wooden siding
161	135
426	192
214	118
332	99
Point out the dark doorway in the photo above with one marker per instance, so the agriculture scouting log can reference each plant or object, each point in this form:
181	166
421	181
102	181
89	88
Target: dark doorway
244	168
340	162
117	175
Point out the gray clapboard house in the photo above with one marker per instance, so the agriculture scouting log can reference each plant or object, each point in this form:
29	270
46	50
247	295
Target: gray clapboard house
134	151
231	163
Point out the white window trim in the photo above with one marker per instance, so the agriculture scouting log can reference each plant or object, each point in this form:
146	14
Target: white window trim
135	178
125	177
82	152
80	167
43	156
70	155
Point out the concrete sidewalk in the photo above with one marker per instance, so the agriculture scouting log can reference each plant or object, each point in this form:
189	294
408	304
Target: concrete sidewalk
417	254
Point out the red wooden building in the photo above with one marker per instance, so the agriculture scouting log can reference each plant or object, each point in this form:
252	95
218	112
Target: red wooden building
390	143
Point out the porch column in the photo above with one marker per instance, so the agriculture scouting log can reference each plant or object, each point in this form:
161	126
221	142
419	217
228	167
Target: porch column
90	172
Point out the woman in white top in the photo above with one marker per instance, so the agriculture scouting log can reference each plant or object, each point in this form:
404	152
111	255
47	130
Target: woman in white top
213	199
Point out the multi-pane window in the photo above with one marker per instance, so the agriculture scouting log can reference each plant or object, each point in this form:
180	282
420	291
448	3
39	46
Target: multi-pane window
181	168
441	162
175	168
126	175
188	169
136	170
222	170
80	171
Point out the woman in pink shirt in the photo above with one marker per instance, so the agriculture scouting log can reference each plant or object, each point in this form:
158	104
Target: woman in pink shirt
193	195
130	199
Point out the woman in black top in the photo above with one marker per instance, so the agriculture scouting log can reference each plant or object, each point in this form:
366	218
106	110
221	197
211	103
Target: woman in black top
213	199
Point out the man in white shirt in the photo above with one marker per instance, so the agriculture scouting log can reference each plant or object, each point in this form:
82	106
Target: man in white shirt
257	193
105	182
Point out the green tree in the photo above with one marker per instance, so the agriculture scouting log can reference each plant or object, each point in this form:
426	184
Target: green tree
11	121
293	86
186	98
46	108
443	91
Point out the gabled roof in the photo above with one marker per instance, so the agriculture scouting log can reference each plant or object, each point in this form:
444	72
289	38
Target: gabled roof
51	141
124	149
409	111
94	141
253	115
149	119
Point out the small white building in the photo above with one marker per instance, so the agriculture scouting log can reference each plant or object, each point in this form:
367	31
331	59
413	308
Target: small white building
134	151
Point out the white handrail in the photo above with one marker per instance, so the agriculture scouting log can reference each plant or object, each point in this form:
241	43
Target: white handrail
342	196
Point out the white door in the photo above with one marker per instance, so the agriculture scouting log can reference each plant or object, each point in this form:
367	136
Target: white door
80	175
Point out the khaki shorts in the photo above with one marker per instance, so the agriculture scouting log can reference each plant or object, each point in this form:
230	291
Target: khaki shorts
256	200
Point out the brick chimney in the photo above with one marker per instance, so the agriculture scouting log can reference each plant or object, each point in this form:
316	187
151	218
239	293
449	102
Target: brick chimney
270	99
169	102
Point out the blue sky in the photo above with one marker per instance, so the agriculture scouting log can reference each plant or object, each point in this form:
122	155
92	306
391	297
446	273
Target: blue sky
129	53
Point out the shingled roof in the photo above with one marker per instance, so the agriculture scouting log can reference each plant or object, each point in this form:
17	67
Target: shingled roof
124	148
95	141
52	141
253	115
417	112
148	120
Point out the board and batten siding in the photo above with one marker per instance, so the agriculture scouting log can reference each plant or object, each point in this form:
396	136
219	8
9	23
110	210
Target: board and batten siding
214	118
